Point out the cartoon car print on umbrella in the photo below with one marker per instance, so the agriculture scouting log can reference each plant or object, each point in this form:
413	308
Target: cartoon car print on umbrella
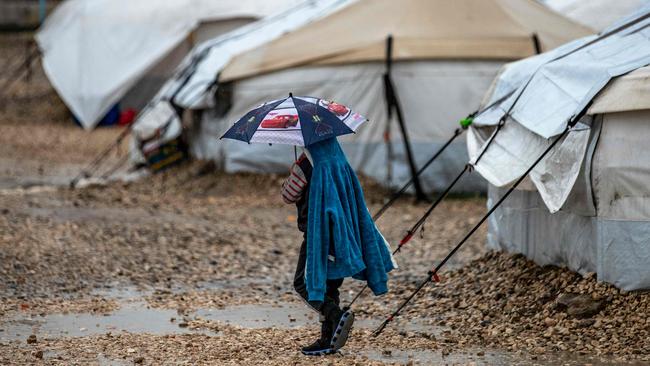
338	109
281	121
299	121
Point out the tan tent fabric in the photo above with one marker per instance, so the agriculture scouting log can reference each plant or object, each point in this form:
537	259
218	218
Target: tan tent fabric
422	29
630	92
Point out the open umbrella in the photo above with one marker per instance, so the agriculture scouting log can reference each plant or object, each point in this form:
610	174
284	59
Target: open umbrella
300	121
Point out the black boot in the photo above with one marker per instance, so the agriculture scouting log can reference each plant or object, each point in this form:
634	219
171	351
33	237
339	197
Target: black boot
341	322
321	346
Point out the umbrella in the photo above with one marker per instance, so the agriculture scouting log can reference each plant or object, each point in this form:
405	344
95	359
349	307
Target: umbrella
300	121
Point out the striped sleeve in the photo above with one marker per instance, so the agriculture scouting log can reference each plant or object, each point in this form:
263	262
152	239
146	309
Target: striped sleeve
294	186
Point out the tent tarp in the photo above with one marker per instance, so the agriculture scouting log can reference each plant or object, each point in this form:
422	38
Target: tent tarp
197	73
596	14
630	92
617	250
95	51
442	67
549	91
431	116
605	225
422	29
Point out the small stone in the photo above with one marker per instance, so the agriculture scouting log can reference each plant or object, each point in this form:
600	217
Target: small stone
480	353
38	354
138	360
550	322
130	350
579	305
585	323
31	339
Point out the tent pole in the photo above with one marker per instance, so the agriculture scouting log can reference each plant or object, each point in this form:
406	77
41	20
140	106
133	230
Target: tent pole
537	44
393	103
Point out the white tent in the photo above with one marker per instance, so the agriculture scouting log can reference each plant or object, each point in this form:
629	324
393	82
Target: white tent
586	204
99	52
446	54
596	14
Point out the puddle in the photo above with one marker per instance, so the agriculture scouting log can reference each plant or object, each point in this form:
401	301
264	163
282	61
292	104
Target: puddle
262	316
288	315
471	356
104	361
435	357
131	317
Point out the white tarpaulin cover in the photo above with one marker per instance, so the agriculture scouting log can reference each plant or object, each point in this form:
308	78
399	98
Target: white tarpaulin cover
559	89
436	85
550	90
604	226
199	69
95	50
588	206
507	26
431	116
596	14
421	29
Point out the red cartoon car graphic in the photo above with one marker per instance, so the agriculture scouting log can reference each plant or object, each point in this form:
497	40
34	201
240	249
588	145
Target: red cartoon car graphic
338	109
284	121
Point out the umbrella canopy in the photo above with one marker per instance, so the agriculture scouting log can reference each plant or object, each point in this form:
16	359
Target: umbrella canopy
301	121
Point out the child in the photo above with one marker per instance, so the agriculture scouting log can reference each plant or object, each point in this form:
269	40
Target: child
340	239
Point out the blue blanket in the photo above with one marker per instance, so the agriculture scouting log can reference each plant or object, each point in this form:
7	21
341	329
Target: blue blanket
338	215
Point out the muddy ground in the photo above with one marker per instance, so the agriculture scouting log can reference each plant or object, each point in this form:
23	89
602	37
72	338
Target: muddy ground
194	266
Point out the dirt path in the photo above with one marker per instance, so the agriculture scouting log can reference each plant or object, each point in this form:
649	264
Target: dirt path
195	266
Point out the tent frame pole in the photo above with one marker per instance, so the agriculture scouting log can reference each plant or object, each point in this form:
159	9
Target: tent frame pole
392	102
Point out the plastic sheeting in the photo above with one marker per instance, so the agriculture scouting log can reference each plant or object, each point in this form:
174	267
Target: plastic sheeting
197	73
515	148
630	92
95	51
550	89
422	30
617	250
554	87
431	117
604	226
621	168
597	14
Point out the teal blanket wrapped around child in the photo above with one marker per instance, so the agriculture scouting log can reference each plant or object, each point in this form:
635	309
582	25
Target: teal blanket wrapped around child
338	216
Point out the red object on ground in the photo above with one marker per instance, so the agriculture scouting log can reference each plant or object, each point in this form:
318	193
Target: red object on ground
284	121
127	117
